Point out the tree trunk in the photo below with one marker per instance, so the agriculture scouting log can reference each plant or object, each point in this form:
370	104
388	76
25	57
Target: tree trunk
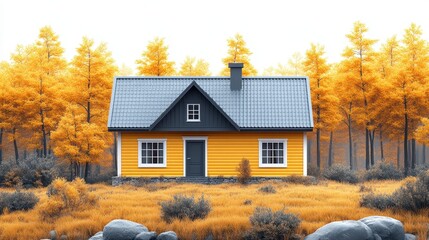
1	145
350	142
367	163
87	169
371	144
381	145
71	171
330	148
355	155
44	140
318	148
406	142
398	154
15	146
424	155
308	152
413	153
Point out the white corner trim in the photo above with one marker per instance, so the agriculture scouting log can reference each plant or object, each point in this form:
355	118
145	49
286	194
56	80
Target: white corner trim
142	140
304	154
184	152
279	140
119	154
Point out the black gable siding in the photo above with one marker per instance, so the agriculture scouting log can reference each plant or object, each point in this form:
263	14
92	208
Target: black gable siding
210	118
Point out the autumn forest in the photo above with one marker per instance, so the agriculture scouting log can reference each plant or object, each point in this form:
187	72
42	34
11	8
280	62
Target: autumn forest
371	106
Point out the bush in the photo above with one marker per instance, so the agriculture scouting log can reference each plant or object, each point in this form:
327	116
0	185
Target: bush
182	207
64	196
17	201
267	189
383	171
380	202
304	180
272	226
31	172
244	171
412	196
313	171
340	173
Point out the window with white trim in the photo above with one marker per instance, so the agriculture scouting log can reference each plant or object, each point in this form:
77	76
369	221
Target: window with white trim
152	153
193	113
272	153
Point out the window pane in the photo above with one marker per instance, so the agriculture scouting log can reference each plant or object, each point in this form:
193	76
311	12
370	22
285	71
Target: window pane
281	153
149	153
281	160
191	117
264	153
264	145
275	145
161	160
155	153
270	145
160	153
149	145
197	107
143	153
264	160
160	146
281	146
143	160
275	160
190	107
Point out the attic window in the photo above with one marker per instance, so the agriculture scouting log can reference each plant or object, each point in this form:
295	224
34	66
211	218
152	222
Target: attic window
193	111
272	152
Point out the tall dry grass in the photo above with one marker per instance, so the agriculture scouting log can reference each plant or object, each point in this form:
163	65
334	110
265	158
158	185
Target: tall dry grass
316	205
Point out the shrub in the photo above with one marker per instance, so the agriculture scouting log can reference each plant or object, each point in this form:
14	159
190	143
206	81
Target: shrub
313	171
413	195
383	171
247	202
244	171
340	173
380	202
267	189
32	172
272	226
64	196
182	207
304	180
17	201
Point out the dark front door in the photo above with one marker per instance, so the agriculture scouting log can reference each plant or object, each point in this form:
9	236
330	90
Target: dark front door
195	158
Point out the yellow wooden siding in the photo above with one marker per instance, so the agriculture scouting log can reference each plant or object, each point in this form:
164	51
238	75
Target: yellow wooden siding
224	149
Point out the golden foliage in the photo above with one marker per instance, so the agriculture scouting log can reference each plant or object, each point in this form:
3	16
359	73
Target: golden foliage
192	67
316	205
238	53
155	61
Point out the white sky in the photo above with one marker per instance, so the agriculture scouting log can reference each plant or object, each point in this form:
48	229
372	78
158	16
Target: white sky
273	29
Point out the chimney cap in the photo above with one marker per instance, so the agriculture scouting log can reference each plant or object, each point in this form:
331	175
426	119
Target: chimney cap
235	65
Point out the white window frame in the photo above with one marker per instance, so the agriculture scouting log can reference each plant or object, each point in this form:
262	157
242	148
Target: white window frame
273	165
152	165
199	112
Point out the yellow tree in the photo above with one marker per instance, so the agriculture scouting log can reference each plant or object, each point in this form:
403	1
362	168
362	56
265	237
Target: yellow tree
91	72
386	114
46	67
296	64
410	86
193	67
325	103
155	61
78	141
358	68
238	52
422	134
4	97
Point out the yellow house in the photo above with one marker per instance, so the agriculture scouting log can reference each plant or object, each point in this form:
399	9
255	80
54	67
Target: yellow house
204	126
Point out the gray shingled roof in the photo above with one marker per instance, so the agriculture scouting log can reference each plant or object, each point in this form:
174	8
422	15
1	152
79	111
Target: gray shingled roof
263	102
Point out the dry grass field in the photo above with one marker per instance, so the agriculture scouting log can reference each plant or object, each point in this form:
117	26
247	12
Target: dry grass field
316	205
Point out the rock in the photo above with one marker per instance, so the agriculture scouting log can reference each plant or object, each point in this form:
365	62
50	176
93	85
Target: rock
97	236
122	229
409	236
53	235
170	235
63	237
146	236
350	230
387	228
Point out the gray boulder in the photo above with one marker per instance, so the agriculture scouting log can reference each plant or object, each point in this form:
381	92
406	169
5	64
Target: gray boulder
146	236
122	229
170	235
53	235
97	236
350	230
385	227
410	237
